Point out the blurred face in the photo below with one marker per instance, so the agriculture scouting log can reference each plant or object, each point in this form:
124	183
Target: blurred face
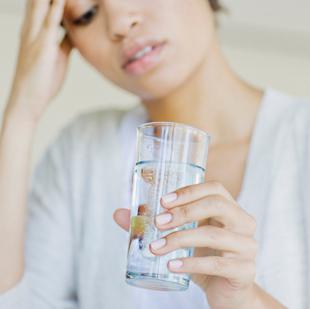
149	48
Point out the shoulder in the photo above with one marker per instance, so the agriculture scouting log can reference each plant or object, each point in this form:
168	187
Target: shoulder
284	128
95	124
91	124
287	116
86	134
290	126
288	108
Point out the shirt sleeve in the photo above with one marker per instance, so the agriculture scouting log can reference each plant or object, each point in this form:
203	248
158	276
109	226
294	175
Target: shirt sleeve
48	280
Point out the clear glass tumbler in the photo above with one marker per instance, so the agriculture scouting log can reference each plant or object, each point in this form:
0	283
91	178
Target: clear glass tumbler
169	156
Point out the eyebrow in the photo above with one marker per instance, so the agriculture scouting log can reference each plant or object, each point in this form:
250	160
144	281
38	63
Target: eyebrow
70	6
68	10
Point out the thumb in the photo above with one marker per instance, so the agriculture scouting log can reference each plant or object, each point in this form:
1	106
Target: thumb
122	217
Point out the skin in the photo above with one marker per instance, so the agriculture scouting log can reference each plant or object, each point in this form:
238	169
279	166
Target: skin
196	87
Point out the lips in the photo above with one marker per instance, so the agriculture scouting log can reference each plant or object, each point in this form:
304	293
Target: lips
141	56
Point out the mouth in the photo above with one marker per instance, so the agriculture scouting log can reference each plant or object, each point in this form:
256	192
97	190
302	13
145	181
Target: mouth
142	58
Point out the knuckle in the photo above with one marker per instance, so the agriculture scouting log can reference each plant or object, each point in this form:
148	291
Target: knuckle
252	270
254	245
217	186
219	264
176	240
48	22
252	224
228	254
217	202
172	240
211	234
250	249
185	191
184	213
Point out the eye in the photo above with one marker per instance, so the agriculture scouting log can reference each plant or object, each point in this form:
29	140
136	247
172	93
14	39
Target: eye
86	18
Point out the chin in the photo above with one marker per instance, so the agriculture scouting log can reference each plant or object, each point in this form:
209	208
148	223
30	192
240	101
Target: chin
160	84
156	91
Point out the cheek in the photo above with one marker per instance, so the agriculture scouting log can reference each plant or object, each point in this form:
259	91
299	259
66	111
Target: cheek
95	48
189	29
193	25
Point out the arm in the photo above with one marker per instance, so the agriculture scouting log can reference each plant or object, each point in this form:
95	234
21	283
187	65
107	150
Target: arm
48	244
262	300
40	71
15	146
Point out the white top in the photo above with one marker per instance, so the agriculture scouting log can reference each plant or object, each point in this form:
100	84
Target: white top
76	254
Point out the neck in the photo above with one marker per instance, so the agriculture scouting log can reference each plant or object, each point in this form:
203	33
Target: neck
213	99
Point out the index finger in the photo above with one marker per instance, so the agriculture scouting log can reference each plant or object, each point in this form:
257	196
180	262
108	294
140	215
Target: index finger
35	13
194	192
55	14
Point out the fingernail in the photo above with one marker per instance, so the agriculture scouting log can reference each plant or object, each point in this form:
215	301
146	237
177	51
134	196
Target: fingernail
157	244
175	264
163	219
171	197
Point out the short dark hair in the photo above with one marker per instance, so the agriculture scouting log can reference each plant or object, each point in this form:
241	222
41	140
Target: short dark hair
215	5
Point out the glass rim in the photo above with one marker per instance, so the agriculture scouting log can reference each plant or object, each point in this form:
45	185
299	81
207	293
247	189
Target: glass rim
173	124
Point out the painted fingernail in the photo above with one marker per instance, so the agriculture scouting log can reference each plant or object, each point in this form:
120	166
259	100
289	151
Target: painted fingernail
157	244
175	264
163	219
171	197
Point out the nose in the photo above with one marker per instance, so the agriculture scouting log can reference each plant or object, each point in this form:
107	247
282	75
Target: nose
121	17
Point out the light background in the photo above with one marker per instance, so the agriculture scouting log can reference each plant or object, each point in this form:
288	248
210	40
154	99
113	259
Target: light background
266	41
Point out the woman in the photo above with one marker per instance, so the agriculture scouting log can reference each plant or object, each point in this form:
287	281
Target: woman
167	53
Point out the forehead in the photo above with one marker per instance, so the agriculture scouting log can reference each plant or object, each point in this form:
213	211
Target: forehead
71	4
76	6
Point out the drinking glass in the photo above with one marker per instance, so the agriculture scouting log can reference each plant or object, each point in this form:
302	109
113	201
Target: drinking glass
169	156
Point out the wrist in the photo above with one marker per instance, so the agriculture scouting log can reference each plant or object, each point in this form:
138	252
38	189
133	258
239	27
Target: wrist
259	299
18	124
17	117
253	298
